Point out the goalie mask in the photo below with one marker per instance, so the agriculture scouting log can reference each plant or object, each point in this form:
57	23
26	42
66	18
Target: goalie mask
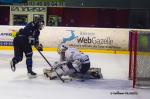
62	49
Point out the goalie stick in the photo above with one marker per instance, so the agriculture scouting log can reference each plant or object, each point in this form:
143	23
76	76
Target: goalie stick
50	65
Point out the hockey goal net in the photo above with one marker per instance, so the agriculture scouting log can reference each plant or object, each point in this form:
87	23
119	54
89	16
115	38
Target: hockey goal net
139	60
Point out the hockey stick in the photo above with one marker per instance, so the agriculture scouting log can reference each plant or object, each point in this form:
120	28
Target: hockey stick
50	65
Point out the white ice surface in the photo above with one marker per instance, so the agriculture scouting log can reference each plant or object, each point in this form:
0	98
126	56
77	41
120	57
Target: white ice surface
16	85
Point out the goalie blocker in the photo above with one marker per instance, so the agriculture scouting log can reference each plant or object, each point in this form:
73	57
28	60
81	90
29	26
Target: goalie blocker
93	73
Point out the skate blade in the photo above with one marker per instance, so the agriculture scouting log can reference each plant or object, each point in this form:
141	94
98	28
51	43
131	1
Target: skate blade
12	67
31	76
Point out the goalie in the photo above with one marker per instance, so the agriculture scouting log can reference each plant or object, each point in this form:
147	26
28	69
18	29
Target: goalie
72	63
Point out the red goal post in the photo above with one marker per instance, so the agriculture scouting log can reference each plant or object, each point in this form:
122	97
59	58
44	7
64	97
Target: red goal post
139	58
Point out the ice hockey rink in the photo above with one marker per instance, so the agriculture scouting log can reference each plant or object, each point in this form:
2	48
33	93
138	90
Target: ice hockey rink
114	85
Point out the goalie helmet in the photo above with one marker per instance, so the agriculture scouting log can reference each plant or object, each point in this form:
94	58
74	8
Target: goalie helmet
62	48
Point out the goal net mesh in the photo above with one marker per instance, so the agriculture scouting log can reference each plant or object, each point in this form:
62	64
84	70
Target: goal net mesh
140	58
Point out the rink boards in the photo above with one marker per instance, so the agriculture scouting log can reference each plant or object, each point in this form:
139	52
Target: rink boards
105	40
82	50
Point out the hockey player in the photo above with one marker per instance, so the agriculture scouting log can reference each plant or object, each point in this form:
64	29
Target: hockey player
23	42
72	62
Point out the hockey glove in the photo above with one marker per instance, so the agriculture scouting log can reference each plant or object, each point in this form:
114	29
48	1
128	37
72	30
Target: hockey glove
39	47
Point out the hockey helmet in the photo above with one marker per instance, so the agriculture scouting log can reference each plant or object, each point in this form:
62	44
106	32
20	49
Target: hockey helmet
62	48
39	23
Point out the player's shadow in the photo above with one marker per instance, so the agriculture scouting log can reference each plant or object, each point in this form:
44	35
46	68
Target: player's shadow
108	84
101	84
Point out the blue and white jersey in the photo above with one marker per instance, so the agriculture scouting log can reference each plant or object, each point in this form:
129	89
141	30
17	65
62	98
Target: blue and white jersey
73	54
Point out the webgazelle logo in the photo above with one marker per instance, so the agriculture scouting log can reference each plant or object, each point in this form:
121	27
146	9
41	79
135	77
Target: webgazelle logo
95	40
87	38
71	37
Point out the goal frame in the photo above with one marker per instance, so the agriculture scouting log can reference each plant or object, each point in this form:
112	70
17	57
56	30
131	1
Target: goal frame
132	53
137	56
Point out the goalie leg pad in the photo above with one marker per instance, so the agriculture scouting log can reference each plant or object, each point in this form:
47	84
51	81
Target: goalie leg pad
95	73
61	70
92	73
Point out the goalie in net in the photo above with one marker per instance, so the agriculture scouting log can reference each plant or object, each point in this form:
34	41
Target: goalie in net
74	64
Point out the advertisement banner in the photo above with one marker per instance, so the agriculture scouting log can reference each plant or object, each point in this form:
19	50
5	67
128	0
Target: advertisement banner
27	9
7	34
82	38
49	3
86	38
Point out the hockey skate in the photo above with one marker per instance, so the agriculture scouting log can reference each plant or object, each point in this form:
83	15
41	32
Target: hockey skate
32	74
13	67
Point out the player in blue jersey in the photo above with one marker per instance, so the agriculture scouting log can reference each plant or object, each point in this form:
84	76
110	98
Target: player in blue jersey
23	42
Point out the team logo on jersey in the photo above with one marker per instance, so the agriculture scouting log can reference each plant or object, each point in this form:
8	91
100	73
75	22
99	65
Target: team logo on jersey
71	37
